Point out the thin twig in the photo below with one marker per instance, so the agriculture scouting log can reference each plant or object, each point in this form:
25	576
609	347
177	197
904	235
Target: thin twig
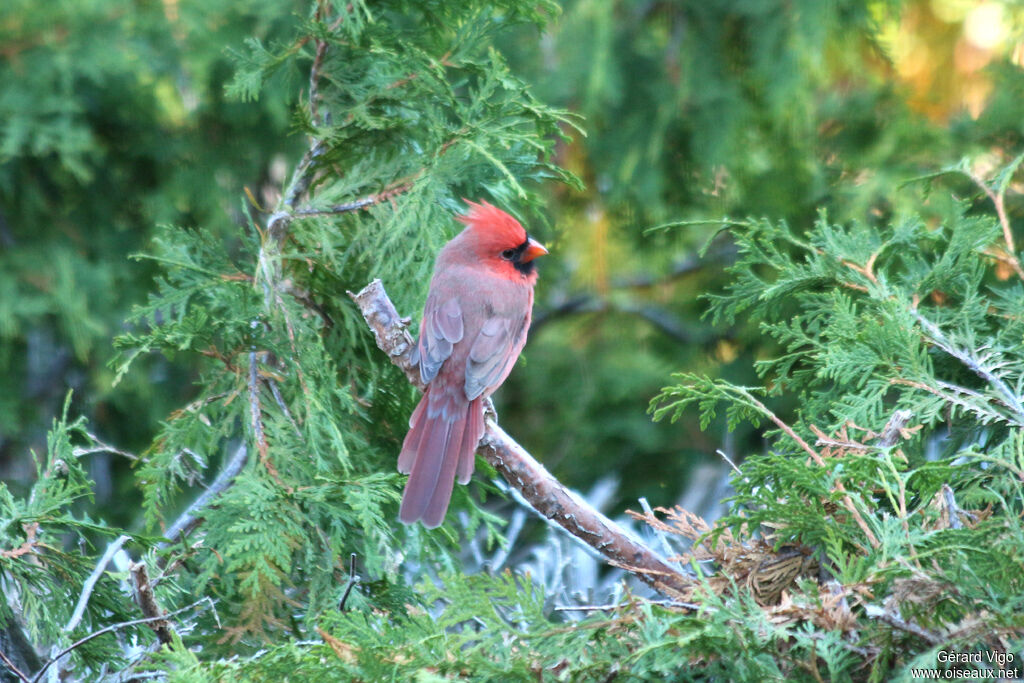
527	476
276	391
885	616
1004	221
347	207
113	627
512	531
728	460
302	177
191	517
256	422
937	337
353	579
90	583
314	81
303	174
612	608
666	547
393	190
847	500
101	447
12	667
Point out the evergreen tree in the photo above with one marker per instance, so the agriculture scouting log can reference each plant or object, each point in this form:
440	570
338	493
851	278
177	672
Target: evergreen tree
874	523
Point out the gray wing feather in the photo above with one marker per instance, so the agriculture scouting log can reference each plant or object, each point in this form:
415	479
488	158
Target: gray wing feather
490	356
440	330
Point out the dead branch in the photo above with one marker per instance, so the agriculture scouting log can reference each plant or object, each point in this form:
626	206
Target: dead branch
256	422
146	600
895	621
10	665
192	516
999	201
108	629
90	583
818	460
545	493
27	546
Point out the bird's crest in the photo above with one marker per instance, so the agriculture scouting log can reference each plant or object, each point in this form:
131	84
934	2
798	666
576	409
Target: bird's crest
493	222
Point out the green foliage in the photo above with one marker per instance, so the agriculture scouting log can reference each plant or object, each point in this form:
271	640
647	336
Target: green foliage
49	545
243	349
418	115
871	322
696	111
289	384
112	120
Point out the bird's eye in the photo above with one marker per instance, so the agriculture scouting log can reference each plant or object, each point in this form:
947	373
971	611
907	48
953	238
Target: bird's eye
508	254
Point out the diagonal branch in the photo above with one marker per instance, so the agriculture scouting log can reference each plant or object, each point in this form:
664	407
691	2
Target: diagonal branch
145	598
972	362
10	665
819	461
999	200
114	627
545	493
192	516
897	622
90	583
259	435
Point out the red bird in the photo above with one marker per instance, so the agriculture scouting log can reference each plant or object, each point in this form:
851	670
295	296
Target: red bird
474	326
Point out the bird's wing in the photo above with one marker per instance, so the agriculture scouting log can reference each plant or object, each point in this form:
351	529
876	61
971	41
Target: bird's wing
493	353
442	327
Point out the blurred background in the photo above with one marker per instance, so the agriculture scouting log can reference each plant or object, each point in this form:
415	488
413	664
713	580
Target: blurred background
113	120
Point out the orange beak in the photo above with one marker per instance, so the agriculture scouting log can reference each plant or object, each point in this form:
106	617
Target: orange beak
533	250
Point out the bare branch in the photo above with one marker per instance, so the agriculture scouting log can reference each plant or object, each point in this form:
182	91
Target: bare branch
894	620
347	207
190	518
816	457
545	493
1004	221
276	391
389	192
611	608
13	668
725	457
972	362
314	80
353	579
113	627
90	583
389	329
256	421
146	600
100	447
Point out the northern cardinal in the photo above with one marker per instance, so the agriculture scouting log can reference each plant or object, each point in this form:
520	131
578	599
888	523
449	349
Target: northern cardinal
474	326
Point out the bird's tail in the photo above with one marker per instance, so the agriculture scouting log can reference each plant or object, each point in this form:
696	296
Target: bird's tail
440	446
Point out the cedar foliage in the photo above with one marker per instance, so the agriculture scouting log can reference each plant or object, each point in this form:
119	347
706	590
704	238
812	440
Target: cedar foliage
902	549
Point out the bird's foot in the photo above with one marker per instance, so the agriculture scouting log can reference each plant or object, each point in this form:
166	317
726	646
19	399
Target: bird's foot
489	411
